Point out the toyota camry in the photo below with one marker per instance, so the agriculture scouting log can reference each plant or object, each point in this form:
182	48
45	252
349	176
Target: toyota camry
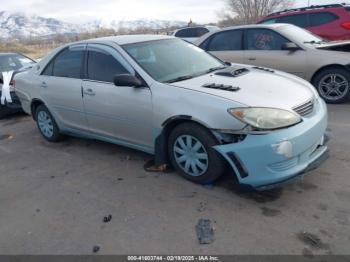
169	98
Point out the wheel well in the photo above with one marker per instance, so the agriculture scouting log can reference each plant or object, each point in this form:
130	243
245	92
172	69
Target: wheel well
171	125
34	106
328	67
161	144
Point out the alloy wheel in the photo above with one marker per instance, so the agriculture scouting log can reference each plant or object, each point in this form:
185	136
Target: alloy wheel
333	87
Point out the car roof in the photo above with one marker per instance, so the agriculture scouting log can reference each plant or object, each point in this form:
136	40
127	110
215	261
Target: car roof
198	26
128	39
263	26
305	10
270	26
6	54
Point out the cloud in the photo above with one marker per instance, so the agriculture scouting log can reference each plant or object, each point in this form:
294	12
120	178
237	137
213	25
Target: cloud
201	11
77	11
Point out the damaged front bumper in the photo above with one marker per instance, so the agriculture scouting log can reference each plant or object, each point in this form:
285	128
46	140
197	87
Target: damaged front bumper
270	160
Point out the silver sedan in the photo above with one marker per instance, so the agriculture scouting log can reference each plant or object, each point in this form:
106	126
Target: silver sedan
169	98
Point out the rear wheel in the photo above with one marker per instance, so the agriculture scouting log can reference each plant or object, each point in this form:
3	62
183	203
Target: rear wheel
191	152
333	85
47	124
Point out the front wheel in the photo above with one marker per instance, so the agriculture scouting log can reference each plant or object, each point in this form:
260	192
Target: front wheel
47	124
333	85
192	154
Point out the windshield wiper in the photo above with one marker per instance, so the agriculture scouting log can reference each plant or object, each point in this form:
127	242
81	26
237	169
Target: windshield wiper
315	42
214	69
180	78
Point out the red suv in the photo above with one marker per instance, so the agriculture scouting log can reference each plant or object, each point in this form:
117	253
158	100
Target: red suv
331	22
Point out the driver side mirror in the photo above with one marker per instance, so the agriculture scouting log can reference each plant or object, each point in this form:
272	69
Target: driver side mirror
127	80
290	47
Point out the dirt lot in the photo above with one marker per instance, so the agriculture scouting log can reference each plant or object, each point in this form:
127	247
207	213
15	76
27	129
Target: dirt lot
53	198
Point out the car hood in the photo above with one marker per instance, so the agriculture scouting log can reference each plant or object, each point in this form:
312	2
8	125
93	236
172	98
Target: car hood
257	87
342	46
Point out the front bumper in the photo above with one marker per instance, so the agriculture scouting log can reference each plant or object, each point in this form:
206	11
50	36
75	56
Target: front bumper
257	164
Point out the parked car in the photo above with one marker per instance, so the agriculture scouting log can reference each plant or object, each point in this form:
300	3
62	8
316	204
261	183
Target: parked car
167	97
287	48
191	34
331	22
12	62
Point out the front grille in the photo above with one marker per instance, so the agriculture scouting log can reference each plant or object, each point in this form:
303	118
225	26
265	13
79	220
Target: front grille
305	109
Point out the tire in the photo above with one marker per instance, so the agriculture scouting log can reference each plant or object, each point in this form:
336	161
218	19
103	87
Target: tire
329	85
200	163
47	124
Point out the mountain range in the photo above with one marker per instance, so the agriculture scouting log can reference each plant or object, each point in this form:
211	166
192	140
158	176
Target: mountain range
16	25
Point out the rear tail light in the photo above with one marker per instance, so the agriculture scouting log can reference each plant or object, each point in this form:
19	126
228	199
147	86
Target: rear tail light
346	25
13	83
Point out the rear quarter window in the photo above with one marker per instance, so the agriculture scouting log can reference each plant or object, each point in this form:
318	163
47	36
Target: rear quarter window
192	32
269	21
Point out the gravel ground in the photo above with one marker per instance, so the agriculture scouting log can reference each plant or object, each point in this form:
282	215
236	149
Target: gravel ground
54	197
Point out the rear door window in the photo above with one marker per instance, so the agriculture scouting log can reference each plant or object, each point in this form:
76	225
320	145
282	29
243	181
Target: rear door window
298	20
68	64
317	19
226	41
264	39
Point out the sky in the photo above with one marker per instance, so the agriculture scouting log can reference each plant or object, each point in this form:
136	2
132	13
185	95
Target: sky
79	11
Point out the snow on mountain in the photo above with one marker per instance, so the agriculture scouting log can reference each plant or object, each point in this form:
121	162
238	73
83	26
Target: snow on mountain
21	25
15	25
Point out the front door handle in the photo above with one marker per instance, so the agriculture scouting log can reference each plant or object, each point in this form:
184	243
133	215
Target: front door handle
89	92
44	85
252	58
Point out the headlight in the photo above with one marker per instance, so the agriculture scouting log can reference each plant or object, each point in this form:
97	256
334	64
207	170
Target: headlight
265	118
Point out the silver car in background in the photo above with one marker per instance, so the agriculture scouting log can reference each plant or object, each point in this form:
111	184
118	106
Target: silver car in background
167	97
290	49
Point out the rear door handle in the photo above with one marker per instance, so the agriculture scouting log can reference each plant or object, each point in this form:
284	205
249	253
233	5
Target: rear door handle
252	58
89	92
44	85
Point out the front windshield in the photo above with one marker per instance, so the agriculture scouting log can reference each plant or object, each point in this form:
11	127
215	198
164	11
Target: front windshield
301	35
14	62
172	60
